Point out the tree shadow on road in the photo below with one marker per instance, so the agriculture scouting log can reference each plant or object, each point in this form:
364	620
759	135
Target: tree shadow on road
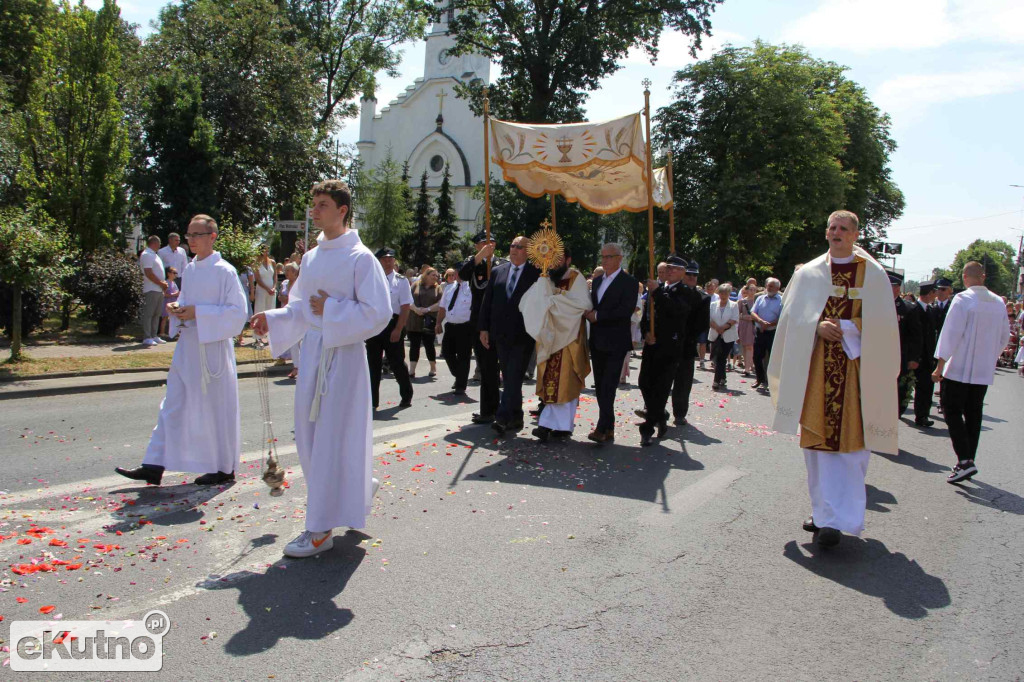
992	497
869	567
914	461
294	598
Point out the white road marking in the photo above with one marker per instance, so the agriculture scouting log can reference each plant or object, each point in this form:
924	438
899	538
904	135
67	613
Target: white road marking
693	496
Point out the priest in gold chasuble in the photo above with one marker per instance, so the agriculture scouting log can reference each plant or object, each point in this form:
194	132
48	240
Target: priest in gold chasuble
553	311
831	373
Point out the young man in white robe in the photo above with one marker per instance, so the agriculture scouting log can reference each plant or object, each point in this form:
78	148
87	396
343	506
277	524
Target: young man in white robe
834	361
553	309
340	299
199	429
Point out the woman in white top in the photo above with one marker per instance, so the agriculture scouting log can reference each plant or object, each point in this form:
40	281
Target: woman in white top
725	317
266	286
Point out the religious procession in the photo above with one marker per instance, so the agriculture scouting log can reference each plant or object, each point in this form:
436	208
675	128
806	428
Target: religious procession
602	387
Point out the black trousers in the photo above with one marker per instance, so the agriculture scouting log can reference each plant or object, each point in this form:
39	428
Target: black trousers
924	387
379	346
427	339
514	357
763	341
720	351
681	386
657	370
607	370
961	407
487	363
456	345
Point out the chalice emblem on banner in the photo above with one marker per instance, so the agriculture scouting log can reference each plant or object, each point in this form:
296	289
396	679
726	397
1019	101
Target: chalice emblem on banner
564	145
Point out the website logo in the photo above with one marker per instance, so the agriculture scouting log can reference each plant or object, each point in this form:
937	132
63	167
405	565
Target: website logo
90	645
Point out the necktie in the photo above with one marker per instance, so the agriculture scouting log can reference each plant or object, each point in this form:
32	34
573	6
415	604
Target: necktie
512	282
455	295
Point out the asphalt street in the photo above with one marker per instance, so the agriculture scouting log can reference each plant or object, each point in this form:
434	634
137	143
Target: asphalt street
506	559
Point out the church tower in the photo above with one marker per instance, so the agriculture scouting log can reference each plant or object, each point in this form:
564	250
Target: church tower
429	127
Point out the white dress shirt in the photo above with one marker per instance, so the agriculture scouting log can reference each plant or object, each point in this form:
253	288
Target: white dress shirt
149	260
722	315
975	332
605	283
401	292
463	308
176	259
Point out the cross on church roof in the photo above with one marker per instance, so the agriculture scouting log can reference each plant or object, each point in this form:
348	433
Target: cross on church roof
440	101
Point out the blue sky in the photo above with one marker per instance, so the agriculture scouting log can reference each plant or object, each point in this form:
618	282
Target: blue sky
949	72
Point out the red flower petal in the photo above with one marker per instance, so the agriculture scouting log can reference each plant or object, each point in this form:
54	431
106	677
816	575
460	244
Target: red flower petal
21	600
46	609
54	542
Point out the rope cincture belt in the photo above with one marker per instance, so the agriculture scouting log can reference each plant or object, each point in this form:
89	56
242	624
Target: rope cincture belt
326	356
208	376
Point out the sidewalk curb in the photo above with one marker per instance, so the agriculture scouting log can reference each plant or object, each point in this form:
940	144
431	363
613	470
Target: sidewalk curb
98	372
41	391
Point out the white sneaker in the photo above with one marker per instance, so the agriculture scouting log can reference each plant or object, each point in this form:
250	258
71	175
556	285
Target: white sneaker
148	342
158	339
309	543
376	487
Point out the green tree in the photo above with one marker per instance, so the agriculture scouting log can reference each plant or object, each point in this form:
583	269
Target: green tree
75	146
185	168
31	258
420	250
553	54
237	246
385	209
258	95
349	42
446	227
998	258
23	24
766	142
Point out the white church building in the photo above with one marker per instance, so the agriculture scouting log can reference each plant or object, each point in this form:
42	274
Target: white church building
428	127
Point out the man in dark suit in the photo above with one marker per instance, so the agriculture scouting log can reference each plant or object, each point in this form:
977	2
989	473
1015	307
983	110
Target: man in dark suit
663	347
943	299
910	343
501	327
474	271
923	384
697	319
614	298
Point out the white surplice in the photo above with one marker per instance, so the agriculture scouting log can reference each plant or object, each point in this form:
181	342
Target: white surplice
199	429
333	421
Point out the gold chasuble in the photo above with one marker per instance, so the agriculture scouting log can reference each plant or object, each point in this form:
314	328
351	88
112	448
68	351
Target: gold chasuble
561	377
831	417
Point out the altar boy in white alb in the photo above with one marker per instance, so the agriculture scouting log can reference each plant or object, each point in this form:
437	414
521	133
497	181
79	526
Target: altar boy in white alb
340	299
198	429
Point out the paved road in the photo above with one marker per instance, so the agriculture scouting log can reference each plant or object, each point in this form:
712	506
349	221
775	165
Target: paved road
495	559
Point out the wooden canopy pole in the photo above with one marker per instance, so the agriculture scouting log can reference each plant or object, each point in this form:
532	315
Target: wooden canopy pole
487	173
554	222
650	198
671	207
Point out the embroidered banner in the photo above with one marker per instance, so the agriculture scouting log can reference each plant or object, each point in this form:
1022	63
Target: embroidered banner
660	190
599	165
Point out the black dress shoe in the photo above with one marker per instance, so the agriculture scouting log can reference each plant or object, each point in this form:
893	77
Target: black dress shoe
561	435
680	421
515	426
405	403
542	433
828	537
924	423
150	475
215	478
458	391
482	418
646	435
809	525
499	426
662	428
640	412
